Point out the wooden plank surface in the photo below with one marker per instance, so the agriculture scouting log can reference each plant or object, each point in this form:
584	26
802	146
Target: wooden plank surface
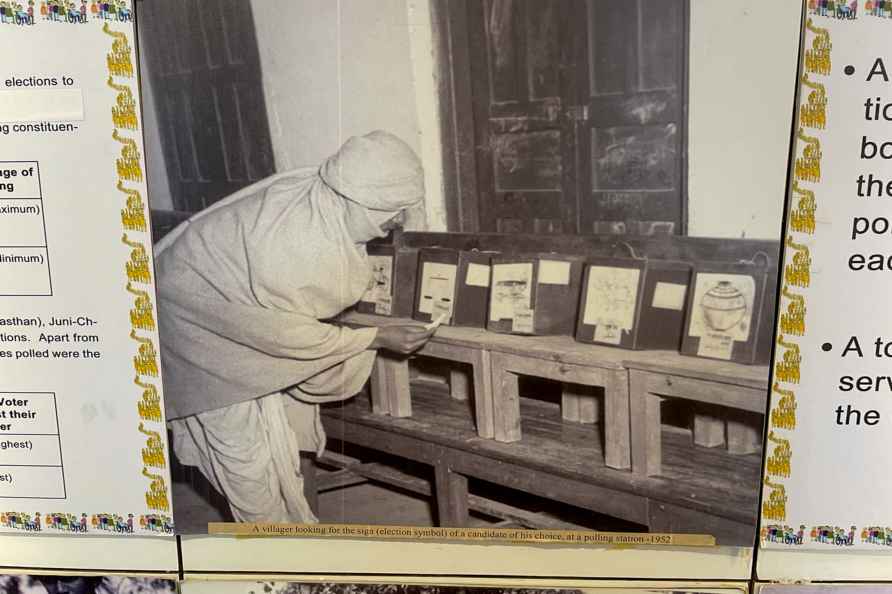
565	349
732	395
722	372
562	349
710	481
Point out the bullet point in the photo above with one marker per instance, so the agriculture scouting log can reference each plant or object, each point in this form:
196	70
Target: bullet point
850	70
826	346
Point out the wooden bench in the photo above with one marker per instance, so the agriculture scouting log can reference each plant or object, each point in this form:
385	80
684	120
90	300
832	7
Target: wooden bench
497	361
576	366
702	490
741	389
390	389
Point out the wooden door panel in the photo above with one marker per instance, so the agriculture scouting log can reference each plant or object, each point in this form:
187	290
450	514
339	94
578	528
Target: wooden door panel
662	25
520	85
204	66
636	151
640	157
527	161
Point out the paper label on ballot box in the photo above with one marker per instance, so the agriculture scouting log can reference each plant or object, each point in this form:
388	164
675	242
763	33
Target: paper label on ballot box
522	321
715	346
554	272
669	296
437	285
608	333
478	275
383	307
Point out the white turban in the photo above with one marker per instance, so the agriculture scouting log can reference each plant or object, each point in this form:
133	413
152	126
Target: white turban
378	172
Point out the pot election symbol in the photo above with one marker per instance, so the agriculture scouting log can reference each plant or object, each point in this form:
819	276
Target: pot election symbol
724	306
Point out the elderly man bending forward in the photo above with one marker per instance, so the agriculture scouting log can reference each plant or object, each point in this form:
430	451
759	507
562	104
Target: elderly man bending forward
243	289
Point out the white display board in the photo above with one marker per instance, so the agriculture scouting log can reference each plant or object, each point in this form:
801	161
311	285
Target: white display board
82	439
827	484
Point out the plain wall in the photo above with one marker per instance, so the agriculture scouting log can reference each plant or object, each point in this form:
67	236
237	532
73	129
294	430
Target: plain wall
335	69
331	70
742	85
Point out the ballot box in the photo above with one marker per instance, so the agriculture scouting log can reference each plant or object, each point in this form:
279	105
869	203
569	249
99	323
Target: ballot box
634	303
391	291
452	284
730	311
536	294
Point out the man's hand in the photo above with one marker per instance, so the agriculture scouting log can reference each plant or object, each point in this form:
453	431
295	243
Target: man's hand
404	340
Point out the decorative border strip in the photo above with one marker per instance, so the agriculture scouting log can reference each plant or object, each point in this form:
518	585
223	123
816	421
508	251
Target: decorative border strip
139	278
878	8
27	13
138	271
812	114
840	9
806	171
82	524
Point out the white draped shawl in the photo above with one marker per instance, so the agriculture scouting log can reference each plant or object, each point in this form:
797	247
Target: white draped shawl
242	287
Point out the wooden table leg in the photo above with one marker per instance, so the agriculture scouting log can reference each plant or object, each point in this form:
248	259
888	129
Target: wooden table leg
617	425
569	404
390	386
506	402
459	384
483	397
638	414
709	430
452	496
744	433
378	388
653	435
579	404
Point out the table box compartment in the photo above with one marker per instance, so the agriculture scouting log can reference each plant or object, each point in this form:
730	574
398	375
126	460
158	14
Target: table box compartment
465	279
639	303
392	292
535	294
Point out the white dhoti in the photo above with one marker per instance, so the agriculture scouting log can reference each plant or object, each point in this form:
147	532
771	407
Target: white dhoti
245	292
250	453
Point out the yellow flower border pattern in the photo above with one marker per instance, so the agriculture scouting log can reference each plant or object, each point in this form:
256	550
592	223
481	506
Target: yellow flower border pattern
138	269
811	117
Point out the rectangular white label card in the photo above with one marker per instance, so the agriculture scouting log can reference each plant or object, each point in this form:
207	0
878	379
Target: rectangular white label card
478	275
81	401
608	333
36	105
380	287
611	296
715	346
523	321
437	285
383	306
511	290
669	296
554	272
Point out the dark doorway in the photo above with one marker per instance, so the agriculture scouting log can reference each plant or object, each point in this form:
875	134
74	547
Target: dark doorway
204	66
573	111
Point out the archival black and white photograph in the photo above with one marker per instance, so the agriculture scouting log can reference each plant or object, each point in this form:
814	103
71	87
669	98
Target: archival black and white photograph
468	263
84	584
